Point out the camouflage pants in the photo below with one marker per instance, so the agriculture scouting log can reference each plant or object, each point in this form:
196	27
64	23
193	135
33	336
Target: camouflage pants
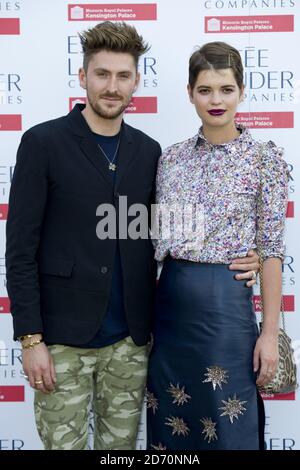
111	380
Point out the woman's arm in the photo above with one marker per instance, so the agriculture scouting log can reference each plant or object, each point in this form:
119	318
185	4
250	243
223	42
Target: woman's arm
271	213
265	357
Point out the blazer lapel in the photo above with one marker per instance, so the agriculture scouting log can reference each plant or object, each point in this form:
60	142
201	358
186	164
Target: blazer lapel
88	145
93	153
126	154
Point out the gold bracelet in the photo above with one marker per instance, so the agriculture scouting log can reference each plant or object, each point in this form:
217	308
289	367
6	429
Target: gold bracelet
31	345
23	337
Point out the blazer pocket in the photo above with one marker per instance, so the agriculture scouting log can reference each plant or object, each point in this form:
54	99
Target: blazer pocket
56	267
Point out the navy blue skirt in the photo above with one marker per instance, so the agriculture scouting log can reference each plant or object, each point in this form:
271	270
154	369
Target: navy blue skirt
201	391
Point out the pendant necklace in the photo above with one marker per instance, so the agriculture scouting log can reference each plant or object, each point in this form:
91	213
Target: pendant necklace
111	165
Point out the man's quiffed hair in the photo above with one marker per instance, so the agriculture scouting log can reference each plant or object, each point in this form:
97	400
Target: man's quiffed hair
115	37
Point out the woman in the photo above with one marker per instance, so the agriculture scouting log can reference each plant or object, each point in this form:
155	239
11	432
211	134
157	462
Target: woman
207	359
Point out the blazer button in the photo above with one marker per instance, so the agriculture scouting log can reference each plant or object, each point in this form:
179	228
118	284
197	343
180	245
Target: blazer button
104	269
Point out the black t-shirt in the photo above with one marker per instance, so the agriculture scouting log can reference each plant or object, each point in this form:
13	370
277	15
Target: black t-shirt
114	326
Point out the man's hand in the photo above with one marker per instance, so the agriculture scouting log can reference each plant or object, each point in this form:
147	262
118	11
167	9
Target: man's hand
248	264
39	368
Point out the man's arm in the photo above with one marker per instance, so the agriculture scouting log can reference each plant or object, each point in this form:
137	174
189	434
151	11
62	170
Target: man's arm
27	202
248	264
27	205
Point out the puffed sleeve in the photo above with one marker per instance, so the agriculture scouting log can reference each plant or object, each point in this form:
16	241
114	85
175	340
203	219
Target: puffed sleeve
272	203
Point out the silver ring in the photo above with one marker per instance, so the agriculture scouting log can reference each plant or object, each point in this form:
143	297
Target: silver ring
253	276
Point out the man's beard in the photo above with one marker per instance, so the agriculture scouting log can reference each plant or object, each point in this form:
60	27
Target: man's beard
108	114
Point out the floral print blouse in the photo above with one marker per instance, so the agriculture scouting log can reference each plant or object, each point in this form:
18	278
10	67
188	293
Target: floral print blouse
228	181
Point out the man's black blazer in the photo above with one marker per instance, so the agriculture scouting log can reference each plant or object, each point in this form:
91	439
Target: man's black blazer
59	272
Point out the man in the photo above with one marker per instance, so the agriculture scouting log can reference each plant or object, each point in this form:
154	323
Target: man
82	304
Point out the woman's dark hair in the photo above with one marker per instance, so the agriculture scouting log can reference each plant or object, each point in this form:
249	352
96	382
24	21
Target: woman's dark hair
215	56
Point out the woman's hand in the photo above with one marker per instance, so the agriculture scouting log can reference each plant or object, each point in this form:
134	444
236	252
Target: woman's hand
265	358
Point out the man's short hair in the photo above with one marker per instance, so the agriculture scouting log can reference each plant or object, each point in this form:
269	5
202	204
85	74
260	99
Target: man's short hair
115	37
